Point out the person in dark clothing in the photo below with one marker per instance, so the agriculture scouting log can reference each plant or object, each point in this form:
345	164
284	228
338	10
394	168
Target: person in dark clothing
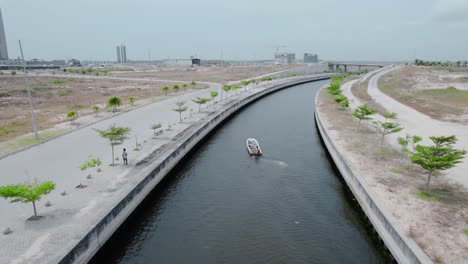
124	157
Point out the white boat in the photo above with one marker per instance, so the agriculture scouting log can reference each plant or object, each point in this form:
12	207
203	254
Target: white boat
253	147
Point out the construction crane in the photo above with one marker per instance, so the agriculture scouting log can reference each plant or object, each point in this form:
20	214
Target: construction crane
277	49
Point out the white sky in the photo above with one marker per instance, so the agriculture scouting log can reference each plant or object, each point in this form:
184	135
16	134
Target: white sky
241	29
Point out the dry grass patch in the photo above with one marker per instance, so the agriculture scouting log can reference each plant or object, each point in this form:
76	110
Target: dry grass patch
414	87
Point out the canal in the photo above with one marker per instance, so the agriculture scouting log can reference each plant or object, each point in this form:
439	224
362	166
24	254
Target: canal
221	206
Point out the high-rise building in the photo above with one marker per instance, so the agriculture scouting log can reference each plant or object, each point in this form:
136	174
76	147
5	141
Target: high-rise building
121	53
3	44
308	58
124	53
119	56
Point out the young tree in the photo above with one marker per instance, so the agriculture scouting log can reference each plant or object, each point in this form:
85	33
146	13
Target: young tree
180	108
114	102
115	135
156	127
27	193
386	128
95	109
131	99
363	113
344	103
193	83
213	95
339	98
226	88
184	86
165	89
91	163
200	101
408	143
175	87
440	156
71	116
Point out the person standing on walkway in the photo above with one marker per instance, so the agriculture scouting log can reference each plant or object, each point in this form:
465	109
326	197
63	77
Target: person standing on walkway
124	157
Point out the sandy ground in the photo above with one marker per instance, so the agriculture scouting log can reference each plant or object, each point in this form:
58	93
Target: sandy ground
437	226
53	100
211	73
412	86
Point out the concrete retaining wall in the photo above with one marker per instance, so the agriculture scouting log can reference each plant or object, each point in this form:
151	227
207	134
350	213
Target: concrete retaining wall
155	170
403	249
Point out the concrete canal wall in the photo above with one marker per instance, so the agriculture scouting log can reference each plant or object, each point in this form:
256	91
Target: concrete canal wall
403	249
155	167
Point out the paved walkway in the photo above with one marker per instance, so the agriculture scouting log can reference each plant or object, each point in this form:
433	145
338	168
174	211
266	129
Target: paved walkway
414	122
73	214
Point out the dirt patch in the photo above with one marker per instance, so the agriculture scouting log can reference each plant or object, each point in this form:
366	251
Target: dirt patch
202	73
437	225
54	97
441	93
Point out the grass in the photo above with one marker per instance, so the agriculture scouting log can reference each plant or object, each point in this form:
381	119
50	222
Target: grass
7	129
58	81
27	141
450	96
428	197
64	92
396	170
4	94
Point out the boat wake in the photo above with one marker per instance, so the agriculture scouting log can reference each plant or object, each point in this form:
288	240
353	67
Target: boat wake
275	162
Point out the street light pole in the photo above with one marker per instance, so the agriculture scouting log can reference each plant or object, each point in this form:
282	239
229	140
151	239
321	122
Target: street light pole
151	80
31	108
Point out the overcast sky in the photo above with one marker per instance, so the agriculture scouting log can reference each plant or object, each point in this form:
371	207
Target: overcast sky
241	29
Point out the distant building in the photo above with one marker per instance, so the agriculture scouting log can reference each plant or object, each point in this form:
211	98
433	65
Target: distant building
124	53
285	58
3	44
119	57
181	62
196	61
121	53
309	58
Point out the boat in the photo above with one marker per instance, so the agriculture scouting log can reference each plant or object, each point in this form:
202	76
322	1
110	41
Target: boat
253	147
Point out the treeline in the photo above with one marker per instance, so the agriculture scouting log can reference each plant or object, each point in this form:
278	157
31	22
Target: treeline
418	62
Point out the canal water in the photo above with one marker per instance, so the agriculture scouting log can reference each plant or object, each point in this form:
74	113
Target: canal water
221	206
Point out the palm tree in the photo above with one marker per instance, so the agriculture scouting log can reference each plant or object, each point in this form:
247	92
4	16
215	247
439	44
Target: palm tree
132	100
180	108
71	116
175	87
113	103
200	101
165	89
